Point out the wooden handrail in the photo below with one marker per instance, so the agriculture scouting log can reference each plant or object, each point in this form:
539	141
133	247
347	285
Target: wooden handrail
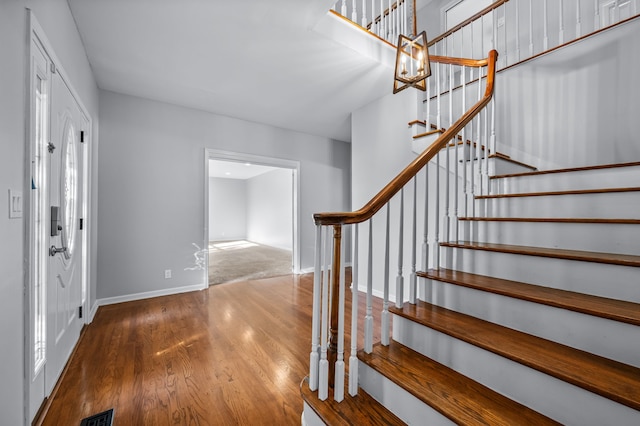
467	21
385	195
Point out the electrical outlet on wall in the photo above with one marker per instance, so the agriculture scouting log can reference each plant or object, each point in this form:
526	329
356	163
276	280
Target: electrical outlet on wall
15	204
167	274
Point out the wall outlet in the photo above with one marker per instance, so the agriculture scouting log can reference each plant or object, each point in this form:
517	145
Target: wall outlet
167	274
15	204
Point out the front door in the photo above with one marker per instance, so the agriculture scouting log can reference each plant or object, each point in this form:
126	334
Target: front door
64	276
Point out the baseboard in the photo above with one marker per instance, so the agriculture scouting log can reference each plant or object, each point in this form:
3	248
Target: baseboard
92	312
378	293
149	294
312	269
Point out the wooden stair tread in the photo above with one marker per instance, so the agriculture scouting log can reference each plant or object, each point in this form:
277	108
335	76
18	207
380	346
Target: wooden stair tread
353	410
570	192
611	379
553	220
511	160
459	398
566	170
617	310
586	256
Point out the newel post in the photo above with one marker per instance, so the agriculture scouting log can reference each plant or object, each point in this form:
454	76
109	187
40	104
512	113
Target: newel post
334	317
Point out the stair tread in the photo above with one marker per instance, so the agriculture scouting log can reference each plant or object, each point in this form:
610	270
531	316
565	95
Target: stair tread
613	309
454	395
553	219
587	256
567	170
569	192
359	409
611	379
507	158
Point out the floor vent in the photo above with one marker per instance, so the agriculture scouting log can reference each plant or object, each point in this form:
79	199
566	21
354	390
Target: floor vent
101	419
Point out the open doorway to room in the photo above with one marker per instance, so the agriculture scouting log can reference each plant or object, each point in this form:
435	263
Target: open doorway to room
251	217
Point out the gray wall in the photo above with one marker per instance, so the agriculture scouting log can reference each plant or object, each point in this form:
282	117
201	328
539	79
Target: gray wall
270	209
227	209
152	196
58	24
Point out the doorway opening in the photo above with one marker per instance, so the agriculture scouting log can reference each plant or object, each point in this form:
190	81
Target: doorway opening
251	218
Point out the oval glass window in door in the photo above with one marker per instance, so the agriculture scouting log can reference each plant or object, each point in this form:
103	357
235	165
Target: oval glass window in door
69	188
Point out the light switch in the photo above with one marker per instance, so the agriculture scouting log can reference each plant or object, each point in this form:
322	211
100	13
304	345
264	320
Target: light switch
15	204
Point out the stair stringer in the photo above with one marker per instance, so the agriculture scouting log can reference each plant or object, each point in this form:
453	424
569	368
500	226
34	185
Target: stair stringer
525	385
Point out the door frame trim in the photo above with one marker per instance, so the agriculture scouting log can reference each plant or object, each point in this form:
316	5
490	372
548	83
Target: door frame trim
216	154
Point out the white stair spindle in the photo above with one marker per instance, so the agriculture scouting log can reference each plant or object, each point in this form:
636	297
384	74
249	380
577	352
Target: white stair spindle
373	17
437	215
517	30
596	17
561	18
338	388
390	28
354	12
323	379
447	194
343	10
465	150
384	319
363	21
425	240
413	279
530	27
314	357
492	142
578	20
382	28
368	319
545	30
353	358
400	277
504	53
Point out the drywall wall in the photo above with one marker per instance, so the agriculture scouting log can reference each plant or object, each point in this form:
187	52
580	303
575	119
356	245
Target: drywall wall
58	24
151	174
227	209
270	209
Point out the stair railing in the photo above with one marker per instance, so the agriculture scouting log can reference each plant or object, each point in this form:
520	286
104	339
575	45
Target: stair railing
382	18
523	29
431	195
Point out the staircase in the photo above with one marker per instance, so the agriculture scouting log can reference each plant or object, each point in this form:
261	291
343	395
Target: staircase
534	321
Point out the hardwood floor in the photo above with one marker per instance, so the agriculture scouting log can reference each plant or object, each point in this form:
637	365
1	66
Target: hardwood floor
234	354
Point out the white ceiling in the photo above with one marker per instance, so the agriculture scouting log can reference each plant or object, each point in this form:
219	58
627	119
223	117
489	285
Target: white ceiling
256	60
236	169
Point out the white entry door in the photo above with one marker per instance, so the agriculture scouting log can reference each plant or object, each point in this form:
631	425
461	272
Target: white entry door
64	276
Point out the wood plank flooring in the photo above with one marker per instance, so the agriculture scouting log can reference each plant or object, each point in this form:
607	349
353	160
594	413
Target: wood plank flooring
234	354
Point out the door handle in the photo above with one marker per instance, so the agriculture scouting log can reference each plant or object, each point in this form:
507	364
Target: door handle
53	250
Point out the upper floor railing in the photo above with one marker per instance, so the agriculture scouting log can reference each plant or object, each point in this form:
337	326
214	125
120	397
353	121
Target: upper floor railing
385	19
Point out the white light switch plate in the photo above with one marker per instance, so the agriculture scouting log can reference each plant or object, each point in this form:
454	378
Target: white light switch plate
15	204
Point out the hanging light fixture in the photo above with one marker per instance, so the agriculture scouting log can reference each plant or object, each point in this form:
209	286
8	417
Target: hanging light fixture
412	63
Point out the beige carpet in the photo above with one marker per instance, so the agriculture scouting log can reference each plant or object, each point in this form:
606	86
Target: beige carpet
243	260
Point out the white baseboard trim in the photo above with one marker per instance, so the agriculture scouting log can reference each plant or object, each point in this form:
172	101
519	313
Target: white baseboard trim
312	269
92	312
378	293
149	294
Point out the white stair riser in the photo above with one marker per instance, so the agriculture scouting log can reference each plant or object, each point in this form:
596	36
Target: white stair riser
403	404
310	417
597	237
539	391
607	338
587	179
617	205
599	279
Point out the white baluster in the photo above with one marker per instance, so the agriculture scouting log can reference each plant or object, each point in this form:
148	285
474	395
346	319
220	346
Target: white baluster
485	168
493	141
354	11
414	243
343	10
578	20
353	358
314	357
530	27
323	385
425	240
383	27
373	17
561	18
465	149
478	149
384	319
504	32
390	28
399	277
437	209
338	388
447	195
363	21
517	30
545	31
596	18
368	319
